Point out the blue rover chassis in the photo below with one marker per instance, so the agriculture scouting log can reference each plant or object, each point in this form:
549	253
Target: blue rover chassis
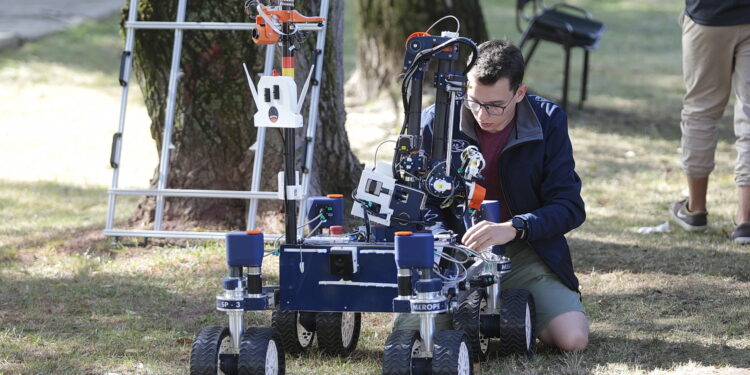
308	282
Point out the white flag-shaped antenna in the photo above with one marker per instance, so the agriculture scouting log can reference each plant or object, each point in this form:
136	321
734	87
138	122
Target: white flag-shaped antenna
304	90
250	83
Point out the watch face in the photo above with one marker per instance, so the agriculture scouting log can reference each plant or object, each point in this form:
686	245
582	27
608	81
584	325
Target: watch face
517	222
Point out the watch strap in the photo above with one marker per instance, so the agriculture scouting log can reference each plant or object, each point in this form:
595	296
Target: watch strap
521	230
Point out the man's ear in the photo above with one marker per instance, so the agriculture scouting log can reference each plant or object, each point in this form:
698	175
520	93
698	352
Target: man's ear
521	93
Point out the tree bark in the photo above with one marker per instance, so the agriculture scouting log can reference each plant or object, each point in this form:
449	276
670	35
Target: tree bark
384	27
213	127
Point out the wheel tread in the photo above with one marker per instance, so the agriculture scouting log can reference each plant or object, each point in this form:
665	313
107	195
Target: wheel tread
285	323
513	323
205	350
466	319
328	325
397	352
253	348
446	352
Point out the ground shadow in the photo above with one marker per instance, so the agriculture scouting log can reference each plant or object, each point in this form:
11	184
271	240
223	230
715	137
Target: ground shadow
672	260
603	350
652	354
631	123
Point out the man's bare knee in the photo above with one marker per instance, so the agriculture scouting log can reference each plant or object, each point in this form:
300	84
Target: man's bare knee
572	341
569	332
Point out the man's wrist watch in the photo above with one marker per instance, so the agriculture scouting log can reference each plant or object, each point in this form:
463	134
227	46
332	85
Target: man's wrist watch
521	228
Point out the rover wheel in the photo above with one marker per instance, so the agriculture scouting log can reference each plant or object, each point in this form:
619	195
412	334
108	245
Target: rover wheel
486	344
295	338
211	353
452	354
467	319
517	317
261	353
400	350
338	332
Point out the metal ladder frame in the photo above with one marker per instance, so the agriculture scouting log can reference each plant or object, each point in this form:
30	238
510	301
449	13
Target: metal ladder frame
253	195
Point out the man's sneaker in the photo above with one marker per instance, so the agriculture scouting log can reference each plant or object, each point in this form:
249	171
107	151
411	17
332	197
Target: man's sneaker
741	234
695	221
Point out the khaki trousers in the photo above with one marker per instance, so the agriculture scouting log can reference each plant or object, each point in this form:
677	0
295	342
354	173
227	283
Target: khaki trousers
714	58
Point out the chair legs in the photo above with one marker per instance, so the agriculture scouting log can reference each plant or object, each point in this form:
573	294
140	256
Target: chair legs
566	78
566	71
585	79
522	41
531	52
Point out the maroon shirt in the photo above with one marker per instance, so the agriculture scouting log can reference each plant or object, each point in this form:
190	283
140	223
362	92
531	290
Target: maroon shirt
491	144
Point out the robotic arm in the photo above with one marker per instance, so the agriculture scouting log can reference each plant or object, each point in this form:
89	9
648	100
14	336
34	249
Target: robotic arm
414	171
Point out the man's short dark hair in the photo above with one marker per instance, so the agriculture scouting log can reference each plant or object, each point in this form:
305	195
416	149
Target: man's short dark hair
499	59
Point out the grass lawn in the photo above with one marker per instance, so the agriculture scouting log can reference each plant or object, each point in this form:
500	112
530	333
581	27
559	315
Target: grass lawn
71	303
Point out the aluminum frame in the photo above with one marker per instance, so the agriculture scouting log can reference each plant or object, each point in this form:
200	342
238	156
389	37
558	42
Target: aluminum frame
161	191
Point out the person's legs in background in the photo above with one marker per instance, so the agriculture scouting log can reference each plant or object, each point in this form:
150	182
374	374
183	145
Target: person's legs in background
742	130
707	71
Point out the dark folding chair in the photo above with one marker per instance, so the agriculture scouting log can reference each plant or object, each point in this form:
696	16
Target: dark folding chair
558	24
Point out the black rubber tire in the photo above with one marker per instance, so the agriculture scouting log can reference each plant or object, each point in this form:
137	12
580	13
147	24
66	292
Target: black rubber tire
397	354
466	319
516	336
487	344
331	331
451	354
286	323
204	355
254	348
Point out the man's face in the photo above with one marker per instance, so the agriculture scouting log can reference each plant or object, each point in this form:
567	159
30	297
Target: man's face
488	102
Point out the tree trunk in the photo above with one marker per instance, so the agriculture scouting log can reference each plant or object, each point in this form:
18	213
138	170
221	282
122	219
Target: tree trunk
213	127
385	25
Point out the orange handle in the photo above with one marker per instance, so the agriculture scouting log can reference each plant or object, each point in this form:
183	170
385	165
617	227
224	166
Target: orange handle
478	197
418	33
292	16
264	34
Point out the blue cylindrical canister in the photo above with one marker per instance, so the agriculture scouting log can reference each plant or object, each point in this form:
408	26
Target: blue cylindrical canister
414	250
330	206
491	211
245	249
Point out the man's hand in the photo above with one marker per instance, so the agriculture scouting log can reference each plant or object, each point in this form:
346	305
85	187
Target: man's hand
487	233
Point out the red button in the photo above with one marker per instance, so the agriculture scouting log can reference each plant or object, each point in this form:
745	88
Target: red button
336	230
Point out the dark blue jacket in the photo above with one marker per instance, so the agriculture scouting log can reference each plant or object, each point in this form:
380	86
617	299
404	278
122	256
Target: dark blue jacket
718	12
538	177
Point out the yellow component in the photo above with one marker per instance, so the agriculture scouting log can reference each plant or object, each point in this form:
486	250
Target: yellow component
287	72
403	147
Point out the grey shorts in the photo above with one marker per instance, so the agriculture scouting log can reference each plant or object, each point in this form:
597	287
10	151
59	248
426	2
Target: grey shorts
551	297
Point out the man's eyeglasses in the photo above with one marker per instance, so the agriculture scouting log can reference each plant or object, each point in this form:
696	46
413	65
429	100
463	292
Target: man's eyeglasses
491	109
